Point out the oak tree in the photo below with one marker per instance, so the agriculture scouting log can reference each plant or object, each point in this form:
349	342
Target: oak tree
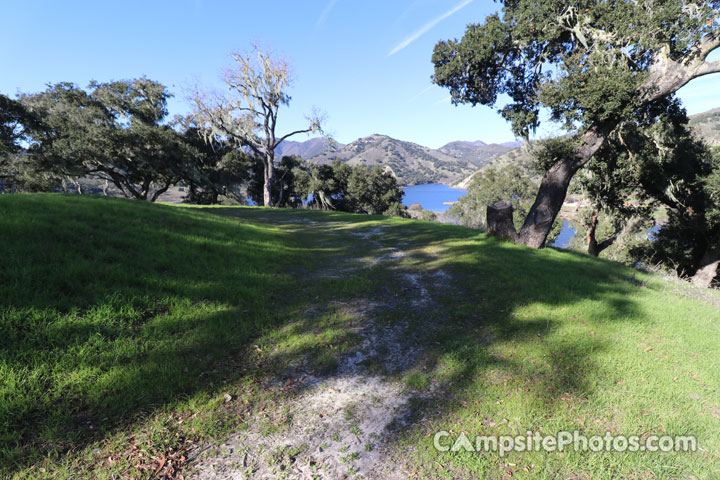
592	64
114	132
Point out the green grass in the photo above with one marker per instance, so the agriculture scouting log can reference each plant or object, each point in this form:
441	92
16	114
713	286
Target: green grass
112	311
124	324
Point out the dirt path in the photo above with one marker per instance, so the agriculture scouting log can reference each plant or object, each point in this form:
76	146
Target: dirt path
337	426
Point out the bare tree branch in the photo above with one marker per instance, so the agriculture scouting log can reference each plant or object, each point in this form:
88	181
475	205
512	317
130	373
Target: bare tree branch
708	68
296	132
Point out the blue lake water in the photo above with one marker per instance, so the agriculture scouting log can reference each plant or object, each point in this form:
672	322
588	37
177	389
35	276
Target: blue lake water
432	196
566	234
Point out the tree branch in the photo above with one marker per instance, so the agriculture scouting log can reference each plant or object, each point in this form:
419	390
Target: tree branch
708	68
254	149
278	142
708	44
607	242
159	192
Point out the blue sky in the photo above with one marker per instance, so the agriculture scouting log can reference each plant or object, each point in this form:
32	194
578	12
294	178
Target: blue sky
366	64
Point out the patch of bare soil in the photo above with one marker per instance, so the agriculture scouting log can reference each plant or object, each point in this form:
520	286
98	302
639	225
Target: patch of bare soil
337	424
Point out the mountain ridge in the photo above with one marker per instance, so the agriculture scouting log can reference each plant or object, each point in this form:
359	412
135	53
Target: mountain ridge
409	162
454	163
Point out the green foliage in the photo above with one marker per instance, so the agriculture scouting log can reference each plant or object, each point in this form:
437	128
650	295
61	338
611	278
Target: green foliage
688	186
355	189
374	191
644	164
585	62
427	216
25	174
552	150
134	101
711	187
492	184
618	207
219	171
113	132
14	123
327	184
291	186
292	182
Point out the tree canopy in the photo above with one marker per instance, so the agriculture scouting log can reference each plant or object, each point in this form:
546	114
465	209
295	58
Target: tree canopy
15	121
591	64
112	131
356	189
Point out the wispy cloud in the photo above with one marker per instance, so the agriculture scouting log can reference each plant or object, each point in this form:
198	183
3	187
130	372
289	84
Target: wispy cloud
425	28
419	94
444	100
323	16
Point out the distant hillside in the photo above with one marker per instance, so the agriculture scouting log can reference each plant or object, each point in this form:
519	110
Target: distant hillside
516	156
306	149
411	163
476	152
707	124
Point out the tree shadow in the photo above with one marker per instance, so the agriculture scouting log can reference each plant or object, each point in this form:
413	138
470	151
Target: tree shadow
488	287
113	310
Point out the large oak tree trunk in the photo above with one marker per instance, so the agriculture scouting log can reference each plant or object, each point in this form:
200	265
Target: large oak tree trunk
549	201
553	189
269	180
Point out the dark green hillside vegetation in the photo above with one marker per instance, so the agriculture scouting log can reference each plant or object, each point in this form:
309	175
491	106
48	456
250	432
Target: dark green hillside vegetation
135	335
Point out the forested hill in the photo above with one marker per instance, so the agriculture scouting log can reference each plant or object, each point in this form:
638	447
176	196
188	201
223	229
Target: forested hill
410	163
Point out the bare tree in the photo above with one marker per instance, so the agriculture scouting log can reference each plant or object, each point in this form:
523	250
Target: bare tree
247	115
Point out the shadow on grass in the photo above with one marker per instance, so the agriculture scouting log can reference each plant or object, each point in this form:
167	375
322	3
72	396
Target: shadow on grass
489	282
112	310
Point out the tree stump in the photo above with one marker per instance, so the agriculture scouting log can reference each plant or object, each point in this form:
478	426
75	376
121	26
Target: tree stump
500	220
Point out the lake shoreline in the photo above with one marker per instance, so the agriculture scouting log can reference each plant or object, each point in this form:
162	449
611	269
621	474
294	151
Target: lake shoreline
454	187
434	197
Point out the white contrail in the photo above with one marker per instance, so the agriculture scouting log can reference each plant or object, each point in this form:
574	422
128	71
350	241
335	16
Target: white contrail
427	27
444	100
417	95
323	16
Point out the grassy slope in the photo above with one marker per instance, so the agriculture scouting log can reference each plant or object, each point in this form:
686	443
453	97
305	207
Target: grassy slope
124	324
